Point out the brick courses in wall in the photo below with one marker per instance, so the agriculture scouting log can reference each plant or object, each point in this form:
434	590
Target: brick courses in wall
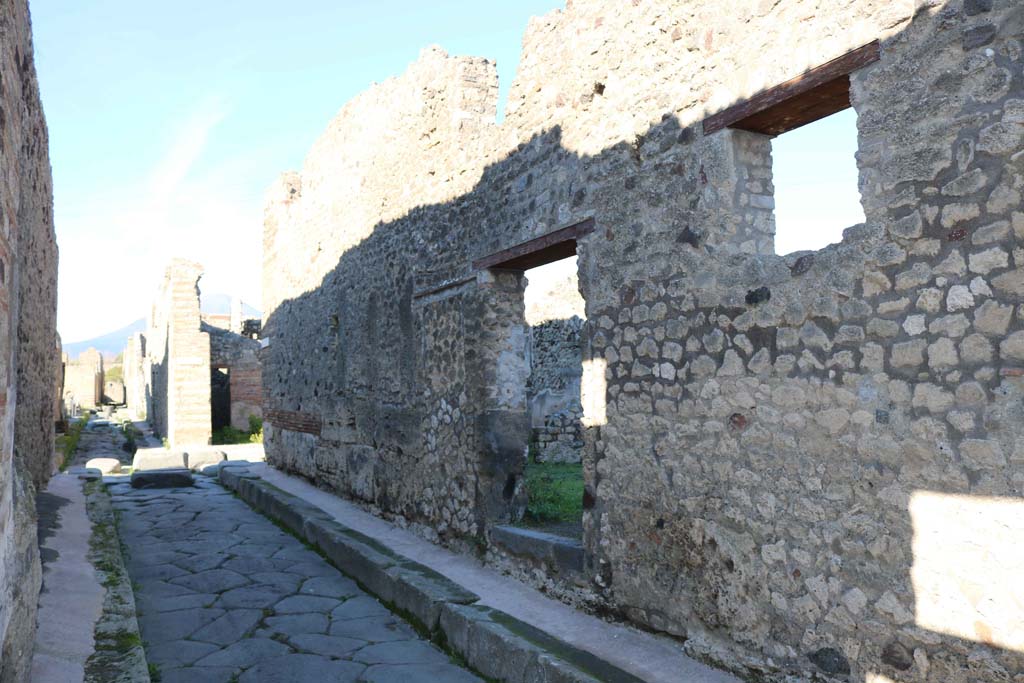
809	466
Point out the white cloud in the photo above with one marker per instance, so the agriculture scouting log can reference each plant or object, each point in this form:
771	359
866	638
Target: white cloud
115	246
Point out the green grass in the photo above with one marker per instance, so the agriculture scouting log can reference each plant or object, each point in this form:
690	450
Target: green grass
229	435
68	443
555	493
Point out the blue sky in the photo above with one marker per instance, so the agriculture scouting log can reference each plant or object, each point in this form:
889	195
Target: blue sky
168	121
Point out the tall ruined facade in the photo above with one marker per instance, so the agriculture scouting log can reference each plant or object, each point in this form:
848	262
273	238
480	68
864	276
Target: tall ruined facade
172	373
28	363
805	465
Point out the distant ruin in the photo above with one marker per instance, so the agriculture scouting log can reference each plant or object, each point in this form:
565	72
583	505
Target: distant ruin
83	381
191	374
805	466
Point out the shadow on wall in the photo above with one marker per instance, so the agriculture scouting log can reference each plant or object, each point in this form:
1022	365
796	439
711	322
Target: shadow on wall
779	462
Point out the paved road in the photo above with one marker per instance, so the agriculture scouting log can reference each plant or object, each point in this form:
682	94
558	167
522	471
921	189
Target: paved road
225	595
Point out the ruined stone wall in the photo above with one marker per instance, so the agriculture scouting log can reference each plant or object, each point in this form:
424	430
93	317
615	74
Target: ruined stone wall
58	383
83	379
28	278
240	356
553	390
179	359
114	392
825	481
135	381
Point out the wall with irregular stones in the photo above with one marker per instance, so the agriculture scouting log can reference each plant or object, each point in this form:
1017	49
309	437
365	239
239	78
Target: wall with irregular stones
178	351
553	390
793	480
28	280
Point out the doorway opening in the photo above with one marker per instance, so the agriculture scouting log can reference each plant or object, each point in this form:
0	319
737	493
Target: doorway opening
220	398
555	315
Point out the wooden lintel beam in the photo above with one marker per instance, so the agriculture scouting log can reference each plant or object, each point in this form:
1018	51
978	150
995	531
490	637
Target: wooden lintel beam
542	250
833	71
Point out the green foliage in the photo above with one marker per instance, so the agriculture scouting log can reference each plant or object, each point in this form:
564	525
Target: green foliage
113	374
68	443
555	493
255	429
229	435
131	436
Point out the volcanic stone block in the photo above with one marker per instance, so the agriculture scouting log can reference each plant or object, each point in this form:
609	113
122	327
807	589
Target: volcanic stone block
161	479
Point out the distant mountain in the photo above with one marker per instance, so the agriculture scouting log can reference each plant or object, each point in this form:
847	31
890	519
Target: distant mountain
113	343
216	303
109	344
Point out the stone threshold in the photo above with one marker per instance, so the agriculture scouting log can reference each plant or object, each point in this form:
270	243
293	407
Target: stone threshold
560	555
513	633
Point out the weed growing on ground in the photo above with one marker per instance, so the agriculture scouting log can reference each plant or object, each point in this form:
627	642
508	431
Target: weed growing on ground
555	493
68	443
229	435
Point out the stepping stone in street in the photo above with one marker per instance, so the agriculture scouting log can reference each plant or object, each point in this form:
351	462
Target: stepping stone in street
161	479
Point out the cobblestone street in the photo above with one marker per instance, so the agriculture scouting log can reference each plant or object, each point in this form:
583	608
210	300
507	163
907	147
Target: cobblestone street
224	595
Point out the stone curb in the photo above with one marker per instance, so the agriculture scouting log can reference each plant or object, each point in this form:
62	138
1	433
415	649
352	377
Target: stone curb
119	656
492	642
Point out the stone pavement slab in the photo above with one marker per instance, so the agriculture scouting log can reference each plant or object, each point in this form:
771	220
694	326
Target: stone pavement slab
225	595
72	598
647	656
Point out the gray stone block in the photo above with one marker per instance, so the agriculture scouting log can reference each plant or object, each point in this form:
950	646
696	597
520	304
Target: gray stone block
506	649
161	479
158	459
423	593
198	459
564	555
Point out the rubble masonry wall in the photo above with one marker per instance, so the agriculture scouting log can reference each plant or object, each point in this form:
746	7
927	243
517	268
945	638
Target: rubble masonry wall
778	482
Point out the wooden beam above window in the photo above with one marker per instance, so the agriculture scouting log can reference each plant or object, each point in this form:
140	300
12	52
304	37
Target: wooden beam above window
813	95
545	249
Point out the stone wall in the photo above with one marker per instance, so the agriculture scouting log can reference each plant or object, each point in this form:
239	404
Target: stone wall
28	280
774	445
168	370
83	379
113	393
553	390
240	357
179	359
135	377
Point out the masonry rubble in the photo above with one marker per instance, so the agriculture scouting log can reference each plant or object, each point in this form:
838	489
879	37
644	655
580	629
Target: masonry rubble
773	444
29	360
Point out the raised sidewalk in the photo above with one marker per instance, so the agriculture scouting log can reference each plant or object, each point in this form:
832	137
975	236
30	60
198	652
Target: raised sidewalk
498	624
